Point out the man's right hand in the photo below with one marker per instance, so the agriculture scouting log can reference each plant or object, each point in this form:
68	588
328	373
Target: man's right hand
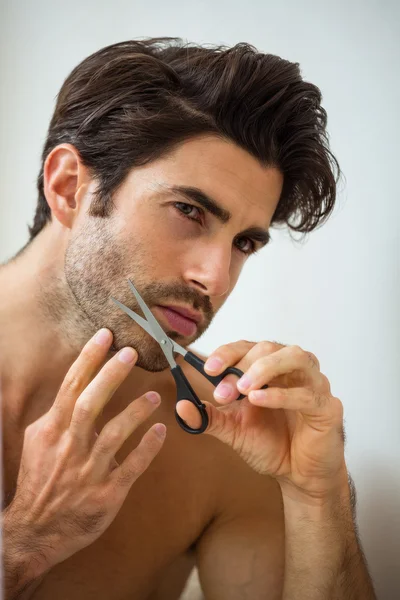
70	487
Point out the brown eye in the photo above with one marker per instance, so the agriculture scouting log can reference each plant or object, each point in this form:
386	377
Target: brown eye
249	246
185	210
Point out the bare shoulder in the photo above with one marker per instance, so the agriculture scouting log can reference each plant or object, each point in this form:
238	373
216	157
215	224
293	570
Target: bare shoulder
240	554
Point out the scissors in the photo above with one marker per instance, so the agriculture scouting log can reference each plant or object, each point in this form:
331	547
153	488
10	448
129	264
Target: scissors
168	346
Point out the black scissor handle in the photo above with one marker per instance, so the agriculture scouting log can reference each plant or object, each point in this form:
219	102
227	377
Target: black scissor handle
198	364
186	392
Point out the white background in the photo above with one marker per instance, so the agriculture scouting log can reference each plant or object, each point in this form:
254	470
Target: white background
336	295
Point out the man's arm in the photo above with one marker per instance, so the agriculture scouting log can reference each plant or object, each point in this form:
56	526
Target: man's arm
23	570
265	545
323	556
240	555
266	542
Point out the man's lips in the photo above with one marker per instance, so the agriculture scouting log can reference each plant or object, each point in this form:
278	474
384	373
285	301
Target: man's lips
177	321
185	312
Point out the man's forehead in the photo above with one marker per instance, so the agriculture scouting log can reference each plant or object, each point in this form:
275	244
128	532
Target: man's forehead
222	201
213	153
233	181
222	168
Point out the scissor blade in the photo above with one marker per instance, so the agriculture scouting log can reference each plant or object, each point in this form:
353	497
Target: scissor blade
158	332
178	348
142	322
167	347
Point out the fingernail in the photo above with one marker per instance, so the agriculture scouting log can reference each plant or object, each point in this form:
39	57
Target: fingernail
244	383
223	390
102	337
160	429
127	355
153	397
213	364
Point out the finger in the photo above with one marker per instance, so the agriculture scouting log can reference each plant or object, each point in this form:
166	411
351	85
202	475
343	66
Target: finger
230	354
241	355
283	362
309	402
226	391
140	458
227	355
116	432
80	374
99	391
223	422
189	413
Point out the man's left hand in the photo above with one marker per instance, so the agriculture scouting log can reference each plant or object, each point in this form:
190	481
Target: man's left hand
292	431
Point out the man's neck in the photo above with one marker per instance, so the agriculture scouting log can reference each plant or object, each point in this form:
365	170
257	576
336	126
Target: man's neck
36	346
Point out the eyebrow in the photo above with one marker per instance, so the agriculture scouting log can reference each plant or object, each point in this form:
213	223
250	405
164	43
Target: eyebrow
212	206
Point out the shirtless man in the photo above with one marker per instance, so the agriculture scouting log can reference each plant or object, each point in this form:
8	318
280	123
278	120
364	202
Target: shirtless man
167	166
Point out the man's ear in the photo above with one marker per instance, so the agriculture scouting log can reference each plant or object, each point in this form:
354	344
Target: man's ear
66	181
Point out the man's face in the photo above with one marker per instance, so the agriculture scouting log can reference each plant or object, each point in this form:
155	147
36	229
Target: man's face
173	249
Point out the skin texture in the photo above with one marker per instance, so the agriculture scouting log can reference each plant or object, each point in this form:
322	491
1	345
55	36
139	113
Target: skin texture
56	292
55	296
292	434
149	227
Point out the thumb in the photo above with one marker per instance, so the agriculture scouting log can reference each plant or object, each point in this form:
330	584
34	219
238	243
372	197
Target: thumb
218	418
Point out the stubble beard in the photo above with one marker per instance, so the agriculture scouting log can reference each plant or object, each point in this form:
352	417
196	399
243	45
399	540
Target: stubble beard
96	268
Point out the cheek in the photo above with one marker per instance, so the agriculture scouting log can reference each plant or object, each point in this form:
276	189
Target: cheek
155	248
173	238
179	230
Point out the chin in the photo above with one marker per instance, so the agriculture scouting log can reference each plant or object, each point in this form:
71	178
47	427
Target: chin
150	356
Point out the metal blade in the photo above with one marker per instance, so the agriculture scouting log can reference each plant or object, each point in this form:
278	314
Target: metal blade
135	317
146	326
178	348
152	326
158	332
153	320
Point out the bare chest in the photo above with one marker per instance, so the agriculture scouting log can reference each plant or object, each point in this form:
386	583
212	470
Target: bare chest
140	557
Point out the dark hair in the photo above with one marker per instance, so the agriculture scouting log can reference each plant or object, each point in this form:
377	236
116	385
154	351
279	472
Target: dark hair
130	103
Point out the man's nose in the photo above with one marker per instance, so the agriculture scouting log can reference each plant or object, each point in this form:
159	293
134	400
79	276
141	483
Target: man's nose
210	270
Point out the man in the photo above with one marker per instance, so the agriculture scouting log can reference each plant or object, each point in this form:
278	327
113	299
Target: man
168	164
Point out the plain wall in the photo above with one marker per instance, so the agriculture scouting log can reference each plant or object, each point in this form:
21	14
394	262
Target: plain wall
336	295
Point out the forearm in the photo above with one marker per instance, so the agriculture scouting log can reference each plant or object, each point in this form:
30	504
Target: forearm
21	577
323	557
23	564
